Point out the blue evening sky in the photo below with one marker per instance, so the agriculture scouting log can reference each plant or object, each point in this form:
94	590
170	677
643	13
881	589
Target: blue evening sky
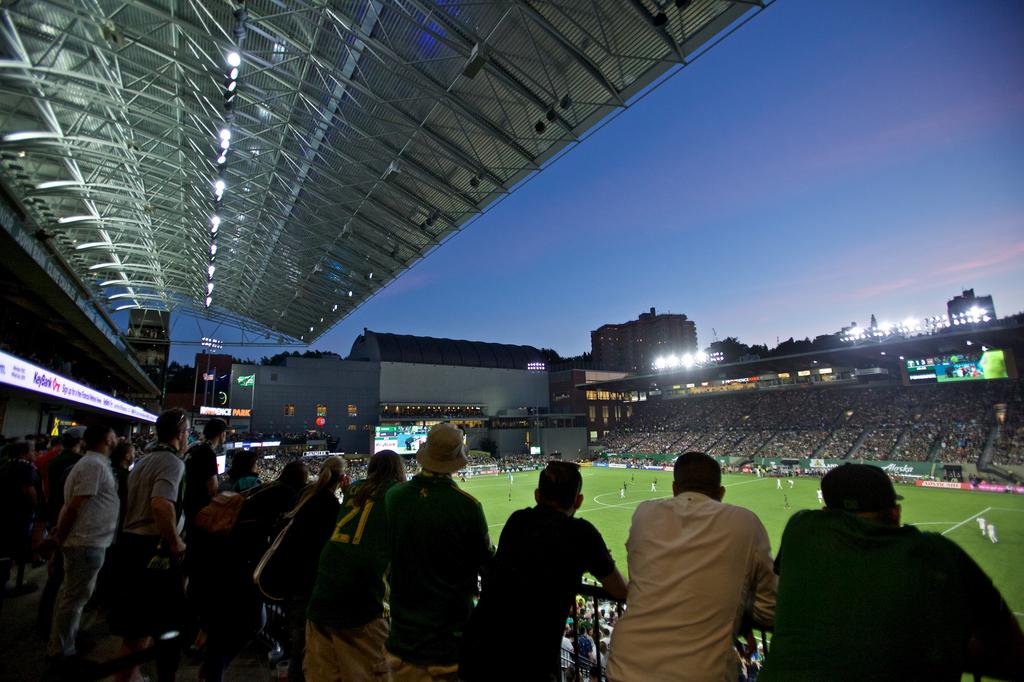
829	160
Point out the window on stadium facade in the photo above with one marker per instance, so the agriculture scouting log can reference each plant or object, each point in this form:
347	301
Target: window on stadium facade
289	409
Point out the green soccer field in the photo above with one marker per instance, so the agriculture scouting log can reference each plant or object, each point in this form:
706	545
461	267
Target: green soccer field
950	512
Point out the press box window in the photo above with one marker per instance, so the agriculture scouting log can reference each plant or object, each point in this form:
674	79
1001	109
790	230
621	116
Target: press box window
353	411
289	410
321	410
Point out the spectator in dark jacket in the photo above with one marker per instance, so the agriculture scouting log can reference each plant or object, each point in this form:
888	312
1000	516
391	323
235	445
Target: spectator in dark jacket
235	613
313	521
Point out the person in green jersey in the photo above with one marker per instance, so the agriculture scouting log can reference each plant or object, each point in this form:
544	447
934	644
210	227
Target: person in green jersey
345	621
863	598
439	545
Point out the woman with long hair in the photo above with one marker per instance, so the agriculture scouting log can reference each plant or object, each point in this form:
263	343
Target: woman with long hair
346	629
242	473
312	521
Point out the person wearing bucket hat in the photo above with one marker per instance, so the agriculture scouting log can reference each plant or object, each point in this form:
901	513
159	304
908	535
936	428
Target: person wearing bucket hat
439	545
863	598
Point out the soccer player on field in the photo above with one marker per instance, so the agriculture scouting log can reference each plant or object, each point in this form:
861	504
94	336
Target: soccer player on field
778	484
821	498
992	533
981	524
654	486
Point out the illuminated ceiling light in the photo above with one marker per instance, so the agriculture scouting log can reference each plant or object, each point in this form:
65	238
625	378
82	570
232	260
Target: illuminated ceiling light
209	300
209	288
210	270
92	245
126	306
222	159
350	294
33	135
213	249
225	144
232	85
233	74
54	184
225	134
117	296
335	308
369	276
112	282
76	219
234	59
104	265
310	329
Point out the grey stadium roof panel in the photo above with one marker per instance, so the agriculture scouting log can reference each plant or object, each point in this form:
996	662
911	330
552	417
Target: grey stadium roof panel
363	133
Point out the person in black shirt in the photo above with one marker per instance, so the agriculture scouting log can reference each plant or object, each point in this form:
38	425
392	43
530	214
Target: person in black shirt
542	555
21	498
201	468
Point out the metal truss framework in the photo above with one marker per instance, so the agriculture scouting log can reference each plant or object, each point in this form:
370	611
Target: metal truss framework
365	132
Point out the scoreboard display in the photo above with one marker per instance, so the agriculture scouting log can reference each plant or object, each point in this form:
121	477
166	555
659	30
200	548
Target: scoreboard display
405	440
954	367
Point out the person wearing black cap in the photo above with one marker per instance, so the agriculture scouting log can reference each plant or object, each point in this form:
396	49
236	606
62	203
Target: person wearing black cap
863	598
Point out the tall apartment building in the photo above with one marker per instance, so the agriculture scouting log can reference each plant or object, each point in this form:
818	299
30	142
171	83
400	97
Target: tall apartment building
633	346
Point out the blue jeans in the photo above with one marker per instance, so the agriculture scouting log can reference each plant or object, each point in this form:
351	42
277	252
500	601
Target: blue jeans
81	566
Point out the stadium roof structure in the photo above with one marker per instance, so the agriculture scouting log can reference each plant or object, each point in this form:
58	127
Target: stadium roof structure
337	142
378	347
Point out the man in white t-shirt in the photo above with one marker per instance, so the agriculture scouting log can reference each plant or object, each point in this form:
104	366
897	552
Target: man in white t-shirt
981	525
991	529
85	529
697	568
821	498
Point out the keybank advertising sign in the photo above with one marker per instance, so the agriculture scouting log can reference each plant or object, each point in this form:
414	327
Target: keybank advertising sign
21	374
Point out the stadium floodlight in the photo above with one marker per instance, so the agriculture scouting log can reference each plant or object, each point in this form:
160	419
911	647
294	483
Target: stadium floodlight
92	245
222	159
232	85
687	361
350	293
210	270
975	311
233	74
209	300
234	59
55	184
225	133
700	357
225	144
76	219
213	249
209	288
30	135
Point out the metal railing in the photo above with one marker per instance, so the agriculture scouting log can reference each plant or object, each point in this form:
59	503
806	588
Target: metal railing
576	669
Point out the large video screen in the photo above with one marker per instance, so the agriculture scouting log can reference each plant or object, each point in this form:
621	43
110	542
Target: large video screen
405	440
989	364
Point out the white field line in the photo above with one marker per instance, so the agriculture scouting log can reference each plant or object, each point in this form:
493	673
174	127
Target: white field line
1010	509
969	518
932	523
634	503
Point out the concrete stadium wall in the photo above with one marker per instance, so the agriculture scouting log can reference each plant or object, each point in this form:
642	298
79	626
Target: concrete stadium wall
20	417
497	390
572	442
305	383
